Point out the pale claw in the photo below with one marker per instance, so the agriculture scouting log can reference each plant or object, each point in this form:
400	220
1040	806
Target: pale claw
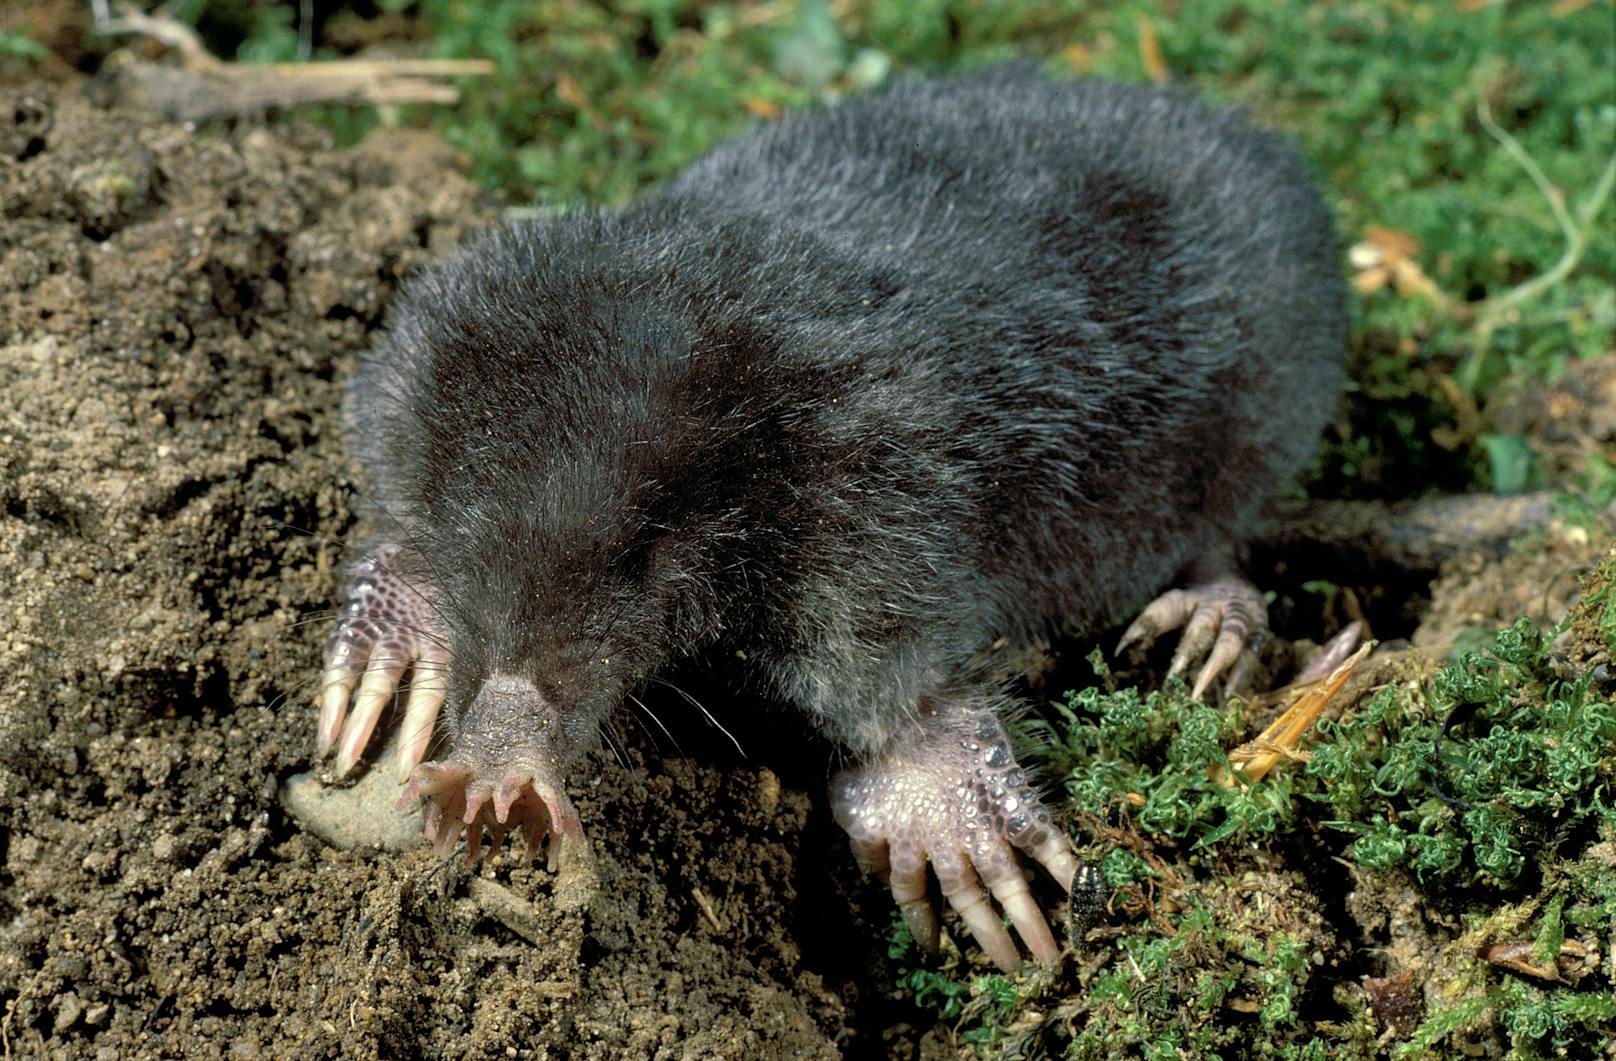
428	689
908	881
964	892
376	691
1224	620
389	626
951	792
1168	612
1015	897
1333	654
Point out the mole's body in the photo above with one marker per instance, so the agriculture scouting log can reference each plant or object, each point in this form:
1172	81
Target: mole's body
855	395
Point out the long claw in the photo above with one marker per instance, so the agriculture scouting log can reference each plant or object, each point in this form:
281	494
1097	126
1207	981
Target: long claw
1198	637
965	894
389	626
952	792
1231	642
907	874
1225	617
429	686
1011	892
1168	612
1340	647
376	691
336	686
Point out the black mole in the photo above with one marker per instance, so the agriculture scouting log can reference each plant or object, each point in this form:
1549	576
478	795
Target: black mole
857	394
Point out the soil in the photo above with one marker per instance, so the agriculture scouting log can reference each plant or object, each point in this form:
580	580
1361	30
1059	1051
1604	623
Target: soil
179	311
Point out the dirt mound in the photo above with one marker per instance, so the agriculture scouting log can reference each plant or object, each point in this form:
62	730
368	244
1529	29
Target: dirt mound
178	311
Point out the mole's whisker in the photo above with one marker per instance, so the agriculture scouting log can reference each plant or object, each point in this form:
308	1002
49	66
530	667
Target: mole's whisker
652	715
697	704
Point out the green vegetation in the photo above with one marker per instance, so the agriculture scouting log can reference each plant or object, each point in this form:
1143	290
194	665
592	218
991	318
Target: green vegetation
19	49
982	1004
1157	751
1485	797
1497	767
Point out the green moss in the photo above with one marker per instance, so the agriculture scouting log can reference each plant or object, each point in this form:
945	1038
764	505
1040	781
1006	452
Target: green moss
1494	767
979	1005
1602	599
1495	778
1156	753
1212	988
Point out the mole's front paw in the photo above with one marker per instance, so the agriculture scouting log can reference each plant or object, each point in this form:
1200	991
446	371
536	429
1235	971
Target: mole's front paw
1226	616
950	793
389	625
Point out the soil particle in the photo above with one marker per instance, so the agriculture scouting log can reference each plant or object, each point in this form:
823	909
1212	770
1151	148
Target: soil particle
1474	596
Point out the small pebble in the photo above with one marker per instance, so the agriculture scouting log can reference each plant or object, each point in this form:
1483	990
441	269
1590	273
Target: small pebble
358	816
68	1011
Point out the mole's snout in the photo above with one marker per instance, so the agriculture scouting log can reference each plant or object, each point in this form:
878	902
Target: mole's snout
505	705
504	772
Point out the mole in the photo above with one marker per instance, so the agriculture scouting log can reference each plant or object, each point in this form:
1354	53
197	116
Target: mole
852	397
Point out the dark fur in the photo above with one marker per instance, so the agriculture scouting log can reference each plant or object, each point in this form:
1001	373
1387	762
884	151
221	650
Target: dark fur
859	392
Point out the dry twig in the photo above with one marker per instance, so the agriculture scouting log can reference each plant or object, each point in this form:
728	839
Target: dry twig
203	87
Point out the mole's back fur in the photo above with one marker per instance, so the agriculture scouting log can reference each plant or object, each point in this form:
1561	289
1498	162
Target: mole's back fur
856	394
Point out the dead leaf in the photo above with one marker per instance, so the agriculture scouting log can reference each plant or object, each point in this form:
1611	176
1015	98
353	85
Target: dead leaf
1391	241
758	107
1574	961
1150	51
1253	759
1079	56
1370	280
1388	256
569	93
1397	1001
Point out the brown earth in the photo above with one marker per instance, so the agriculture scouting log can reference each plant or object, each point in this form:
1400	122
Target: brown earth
179	310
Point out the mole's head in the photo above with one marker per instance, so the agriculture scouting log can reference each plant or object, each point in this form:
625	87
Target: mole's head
572	464
558	596
562	589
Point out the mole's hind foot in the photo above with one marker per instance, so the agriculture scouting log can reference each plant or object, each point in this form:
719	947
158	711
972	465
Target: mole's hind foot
1225	616
950	793
389	625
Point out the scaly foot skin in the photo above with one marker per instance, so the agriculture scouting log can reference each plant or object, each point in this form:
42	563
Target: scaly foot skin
950	793
1226	616
389	625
